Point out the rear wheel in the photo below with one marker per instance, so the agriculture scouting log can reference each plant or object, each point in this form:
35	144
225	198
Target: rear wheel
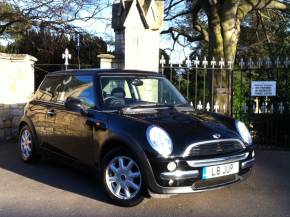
122	178
27	145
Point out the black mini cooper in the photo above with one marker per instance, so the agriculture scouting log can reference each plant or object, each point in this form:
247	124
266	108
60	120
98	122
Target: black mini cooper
136	131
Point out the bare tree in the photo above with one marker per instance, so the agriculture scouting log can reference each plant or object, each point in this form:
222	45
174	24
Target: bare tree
217	22
19	15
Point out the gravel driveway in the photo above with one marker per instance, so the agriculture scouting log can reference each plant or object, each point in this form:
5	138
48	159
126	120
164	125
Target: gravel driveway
54	190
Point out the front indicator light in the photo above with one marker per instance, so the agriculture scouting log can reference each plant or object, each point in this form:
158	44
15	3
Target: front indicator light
253	154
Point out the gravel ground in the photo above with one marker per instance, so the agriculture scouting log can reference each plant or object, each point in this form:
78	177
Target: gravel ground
50	189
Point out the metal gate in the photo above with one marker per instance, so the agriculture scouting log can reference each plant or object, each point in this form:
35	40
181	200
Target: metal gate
223	87
205	83
267	114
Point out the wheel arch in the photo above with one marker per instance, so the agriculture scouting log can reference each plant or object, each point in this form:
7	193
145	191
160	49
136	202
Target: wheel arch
25	121
118	142
22	124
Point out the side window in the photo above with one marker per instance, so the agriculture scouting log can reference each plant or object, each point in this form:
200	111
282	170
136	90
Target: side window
80	87
148	91
111	84
62	88
83	90
47	88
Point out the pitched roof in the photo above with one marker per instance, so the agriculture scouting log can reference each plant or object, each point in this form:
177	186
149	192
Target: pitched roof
119	14
145	5
121	9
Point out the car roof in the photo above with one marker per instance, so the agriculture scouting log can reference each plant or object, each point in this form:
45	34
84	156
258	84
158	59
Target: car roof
103	72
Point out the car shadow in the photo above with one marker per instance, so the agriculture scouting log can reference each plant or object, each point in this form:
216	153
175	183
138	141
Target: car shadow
53	173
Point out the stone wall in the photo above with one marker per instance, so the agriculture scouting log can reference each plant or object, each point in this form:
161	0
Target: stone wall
16	86
10	115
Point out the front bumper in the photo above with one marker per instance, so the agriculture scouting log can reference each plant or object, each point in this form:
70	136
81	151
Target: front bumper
187	177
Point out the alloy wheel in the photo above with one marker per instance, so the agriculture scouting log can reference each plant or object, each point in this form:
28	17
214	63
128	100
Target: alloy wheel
26	144
123	177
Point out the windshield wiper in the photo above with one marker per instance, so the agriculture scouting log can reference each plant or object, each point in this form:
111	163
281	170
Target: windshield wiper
184	108
178	107
143	105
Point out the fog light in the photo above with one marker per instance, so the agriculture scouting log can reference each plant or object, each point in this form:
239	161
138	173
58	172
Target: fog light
253	153
171	166
170	183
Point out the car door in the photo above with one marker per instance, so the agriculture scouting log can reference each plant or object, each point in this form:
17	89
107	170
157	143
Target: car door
40	111
73	133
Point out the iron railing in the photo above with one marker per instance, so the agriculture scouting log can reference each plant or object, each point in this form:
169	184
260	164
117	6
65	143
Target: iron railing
268	117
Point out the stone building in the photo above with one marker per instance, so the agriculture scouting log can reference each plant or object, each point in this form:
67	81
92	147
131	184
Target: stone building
137	25
16	85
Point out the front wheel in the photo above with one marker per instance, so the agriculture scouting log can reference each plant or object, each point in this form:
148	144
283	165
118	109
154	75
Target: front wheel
122	178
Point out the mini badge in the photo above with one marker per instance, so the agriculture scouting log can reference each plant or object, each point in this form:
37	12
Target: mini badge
216	136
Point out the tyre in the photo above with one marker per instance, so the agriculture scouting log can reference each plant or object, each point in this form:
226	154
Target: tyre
122	178
27	145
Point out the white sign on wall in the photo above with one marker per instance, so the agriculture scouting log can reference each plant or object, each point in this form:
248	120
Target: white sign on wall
263	88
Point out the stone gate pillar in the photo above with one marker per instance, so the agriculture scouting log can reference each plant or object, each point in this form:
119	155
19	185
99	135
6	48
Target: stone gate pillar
16	85
137	25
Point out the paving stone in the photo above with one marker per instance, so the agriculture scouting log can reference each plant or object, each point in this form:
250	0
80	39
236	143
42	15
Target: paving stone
4	114
16	111
6	106
1	134
7	133
7	123
1	124
15	122
14	132
14	106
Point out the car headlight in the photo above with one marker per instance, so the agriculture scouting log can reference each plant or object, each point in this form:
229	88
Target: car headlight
159	140
244	132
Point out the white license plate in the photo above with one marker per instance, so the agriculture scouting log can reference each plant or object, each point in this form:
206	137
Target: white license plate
220	170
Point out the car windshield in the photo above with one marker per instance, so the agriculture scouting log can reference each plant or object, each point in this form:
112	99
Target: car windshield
139	91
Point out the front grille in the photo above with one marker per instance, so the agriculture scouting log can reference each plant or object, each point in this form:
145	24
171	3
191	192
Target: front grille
216	148
214	182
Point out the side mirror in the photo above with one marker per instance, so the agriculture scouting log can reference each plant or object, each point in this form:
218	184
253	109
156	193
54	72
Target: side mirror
73	104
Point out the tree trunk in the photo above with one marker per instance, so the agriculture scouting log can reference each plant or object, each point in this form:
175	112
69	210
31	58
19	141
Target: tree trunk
230	28
215	34
224	30
216	50
224	18
230	31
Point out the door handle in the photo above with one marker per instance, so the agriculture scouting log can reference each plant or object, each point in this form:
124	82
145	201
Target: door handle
50	113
